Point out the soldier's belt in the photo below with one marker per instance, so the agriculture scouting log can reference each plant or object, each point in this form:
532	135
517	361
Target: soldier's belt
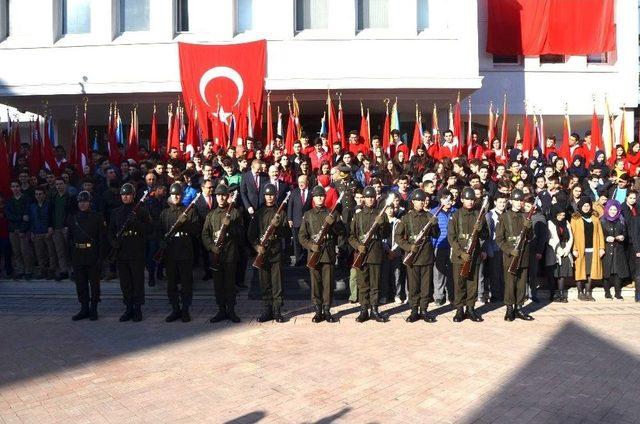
83	245
464	236
129	234
181	234
512	238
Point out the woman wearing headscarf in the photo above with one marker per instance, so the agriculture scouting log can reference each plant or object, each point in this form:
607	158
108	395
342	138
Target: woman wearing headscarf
600	162
558	257
588	248
614	262
578	168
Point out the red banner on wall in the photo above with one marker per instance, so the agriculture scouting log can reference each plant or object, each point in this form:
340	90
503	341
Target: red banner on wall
230	76
535	27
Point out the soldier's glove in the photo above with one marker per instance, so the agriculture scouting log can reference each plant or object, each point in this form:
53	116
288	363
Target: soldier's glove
514	252
260	249
315	247
414	248
379	219
216	250
477	228
329	219
163	244
362	248
527	224
433	221
226	221
465	256
276	221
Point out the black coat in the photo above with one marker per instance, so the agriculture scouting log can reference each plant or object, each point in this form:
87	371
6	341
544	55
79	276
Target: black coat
295	207
249	192
614	260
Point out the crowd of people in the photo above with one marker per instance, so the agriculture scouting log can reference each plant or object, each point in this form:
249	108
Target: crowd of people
462	218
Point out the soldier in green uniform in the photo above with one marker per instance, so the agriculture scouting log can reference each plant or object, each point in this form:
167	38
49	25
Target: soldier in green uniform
347	186
420	274
270	273
509	227
369	276
130	258
461	226
86	235
322	280
224	276
178	254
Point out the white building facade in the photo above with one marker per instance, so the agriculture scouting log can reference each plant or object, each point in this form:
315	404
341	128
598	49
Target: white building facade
426	51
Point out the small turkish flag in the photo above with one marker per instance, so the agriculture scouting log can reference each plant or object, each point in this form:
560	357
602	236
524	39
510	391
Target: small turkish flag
231	75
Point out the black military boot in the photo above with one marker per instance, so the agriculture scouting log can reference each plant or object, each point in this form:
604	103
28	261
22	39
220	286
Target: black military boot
127	315
93	311
520	314
364	314
231	314
266	315
185	316
413	316
84	313
589	291
326	312
221	315
472	315
376	315
510	315
318	315
459	316
175	314
137	313
277	314
426	316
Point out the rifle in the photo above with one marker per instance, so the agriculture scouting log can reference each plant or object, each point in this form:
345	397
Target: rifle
113	253
472	244
174	228
521	244
219	241
421	239
358	259
319	239
258	262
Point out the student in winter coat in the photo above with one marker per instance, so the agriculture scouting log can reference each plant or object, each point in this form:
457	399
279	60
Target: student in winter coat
614	262
558	257
588	248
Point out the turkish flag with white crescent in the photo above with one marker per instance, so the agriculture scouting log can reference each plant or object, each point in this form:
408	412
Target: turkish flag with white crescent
231	75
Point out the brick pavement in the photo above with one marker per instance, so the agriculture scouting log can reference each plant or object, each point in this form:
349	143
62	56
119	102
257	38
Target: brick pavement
577	362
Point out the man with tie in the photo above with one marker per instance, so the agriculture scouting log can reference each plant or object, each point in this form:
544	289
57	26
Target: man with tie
274	178
203	206
250	185
299	203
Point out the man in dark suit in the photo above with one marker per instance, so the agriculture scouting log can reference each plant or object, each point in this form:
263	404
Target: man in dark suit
299	203
281	187
250	185
203	206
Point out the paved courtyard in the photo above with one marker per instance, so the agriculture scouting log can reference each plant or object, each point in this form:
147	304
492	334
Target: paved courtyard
577	362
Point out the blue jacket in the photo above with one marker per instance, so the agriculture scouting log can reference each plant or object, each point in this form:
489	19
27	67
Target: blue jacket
39	218
188	195
443	223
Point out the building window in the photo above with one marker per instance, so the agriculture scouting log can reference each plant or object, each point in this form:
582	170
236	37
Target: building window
182	16
423	15
506	59
373	14
244	15
4	19
552	58
311	14
134	15
598	58
76	17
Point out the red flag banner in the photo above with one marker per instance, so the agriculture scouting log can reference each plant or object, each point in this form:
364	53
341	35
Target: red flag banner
153	139
535	27
5	168
228	75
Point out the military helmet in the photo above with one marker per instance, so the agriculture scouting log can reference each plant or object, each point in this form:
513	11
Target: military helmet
517	194
221	190
176	188
318	191
84	196
468	194
369	192
419	195
127	188
270	189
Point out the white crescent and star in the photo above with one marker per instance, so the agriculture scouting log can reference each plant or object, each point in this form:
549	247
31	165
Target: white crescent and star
221	72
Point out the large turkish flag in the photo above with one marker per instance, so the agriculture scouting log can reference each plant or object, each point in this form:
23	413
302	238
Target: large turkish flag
231	74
